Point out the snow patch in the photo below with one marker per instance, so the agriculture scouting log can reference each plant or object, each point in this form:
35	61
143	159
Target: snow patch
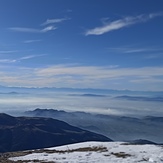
101	152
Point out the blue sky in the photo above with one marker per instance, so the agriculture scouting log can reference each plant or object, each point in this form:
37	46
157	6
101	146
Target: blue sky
111	44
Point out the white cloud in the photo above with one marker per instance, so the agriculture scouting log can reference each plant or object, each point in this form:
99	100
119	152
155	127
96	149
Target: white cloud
121	23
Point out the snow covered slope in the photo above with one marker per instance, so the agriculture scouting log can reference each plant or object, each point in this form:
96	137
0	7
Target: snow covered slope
100	152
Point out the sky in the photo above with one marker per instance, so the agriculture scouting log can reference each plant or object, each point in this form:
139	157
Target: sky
108	44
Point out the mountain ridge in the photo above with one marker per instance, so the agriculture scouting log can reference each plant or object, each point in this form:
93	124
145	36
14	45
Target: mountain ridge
5	89
118	128
24	133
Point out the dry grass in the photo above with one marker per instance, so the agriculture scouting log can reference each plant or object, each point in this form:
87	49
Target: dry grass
85	149
90	149
4	158
121	154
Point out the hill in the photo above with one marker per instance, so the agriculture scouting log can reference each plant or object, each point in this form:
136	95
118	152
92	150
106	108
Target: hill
118	128
24	133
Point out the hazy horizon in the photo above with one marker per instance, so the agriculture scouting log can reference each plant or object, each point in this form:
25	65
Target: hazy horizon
17	101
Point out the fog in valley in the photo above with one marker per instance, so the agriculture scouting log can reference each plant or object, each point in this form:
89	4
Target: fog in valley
14	102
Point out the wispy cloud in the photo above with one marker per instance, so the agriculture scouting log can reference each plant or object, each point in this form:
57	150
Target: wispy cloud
31	56
138	50
50	25
100	72
49	28
54	21
7	60
22	29
121	23
100	77
8	51
154	56
144	53
20	59
134	49
85	76
129	49
31	41
33	30
147	80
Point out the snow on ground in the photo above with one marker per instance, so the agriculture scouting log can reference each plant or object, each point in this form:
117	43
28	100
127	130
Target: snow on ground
100	152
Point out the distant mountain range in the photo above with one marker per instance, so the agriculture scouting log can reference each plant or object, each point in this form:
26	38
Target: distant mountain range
118	128
141	142
123	97
140	98
24	133
4	89
11	93
88	95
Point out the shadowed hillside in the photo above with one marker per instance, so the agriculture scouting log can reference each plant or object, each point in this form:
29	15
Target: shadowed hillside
22	133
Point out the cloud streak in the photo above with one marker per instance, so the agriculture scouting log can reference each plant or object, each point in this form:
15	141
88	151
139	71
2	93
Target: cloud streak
50	25
54	21
84	77
130	49
7	60
8	51
100	72
121	23
31	41
33	30
20	59
31	56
